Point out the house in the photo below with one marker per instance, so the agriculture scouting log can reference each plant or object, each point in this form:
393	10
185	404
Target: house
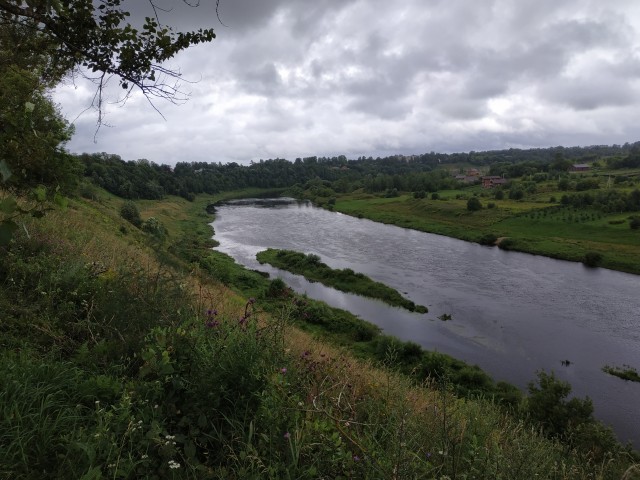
473	172
579	167
491	181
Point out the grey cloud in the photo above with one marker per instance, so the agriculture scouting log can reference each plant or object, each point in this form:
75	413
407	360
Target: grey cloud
591	93
290	78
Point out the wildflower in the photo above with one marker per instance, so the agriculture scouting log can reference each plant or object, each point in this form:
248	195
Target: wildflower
287	435
169	437
212	323
252	300
283	370
428	456
144	456
173	464
356	458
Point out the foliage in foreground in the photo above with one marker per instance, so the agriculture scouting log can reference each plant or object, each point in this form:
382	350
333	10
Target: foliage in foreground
115	374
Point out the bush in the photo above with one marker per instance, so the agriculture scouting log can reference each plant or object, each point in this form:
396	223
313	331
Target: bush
516	194
634	223
592	259
473	204
507	244
488	239
499	195
435	196
129	211
154	227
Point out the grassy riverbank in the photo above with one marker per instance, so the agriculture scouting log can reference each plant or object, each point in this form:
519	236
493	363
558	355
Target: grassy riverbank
532	226
131	353
345	280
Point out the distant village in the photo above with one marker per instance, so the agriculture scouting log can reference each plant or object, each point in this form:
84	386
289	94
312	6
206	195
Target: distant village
473	175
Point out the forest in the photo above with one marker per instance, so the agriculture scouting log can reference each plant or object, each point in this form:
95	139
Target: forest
142	179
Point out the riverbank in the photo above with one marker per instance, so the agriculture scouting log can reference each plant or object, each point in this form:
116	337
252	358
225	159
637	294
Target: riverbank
130	353
535	227
345	280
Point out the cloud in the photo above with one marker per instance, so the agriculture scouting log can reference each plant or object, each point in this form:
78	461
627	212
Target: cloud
365	77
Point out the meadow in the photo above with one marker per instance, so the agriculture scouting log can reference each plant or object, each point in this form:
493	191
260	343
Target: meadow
539	223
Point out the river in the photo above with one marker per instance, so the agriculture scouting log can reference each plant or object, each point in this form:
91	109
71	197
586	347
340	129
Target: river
512	313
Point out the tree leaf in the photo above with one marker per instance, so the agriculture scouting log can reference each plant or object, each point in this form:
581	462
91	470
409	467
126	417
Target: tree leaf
8	205
61	201
40	193
6	231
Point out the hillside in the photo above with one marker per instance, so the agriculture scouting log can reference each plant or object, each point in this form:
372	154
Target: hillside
125	356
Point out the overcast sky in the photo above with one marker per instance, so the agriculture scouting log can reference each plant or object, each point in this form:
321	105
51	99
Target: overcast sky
295	78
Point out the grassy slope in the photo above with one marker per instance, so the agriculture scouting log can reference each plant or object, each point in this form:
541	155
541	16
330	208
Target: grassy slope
552	235
187	401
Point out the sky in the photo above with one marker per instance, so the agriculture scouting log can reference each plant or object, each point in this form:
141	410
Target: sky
294	78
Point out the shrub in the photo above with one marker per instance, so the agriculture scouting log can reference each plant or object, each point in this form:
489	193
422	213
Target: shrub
154	227
507	244
516	194
473	204
488	239
634	223
129	211
435	196
592	259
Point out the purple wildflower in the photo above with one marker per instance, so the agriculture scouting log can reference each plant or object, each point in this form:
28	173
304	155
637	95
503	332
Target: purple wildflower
283	370
356	458
287	435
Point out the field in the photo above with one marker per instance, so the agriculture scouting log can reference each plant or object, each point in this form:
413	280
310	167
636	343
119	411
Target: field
533	225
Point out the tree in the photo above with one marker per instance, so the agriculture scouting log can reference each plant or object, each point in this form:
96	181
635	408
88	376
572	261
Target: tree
547	405
473	204
100	40
43	40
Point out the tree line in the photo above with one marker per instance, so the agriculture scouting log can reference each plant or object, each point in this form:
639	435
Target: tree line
143	179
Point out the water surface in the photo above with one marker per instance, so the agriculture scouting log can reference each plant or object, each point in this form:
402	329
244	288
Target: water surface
513	313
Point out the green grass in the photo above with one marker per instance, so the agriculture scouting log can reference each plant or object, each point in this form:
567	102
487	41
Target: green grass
626	372
535	226
345	280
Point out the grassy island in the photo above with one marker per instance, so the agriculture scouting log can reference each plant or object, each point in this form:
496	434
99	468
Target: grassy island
625	372
345	280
